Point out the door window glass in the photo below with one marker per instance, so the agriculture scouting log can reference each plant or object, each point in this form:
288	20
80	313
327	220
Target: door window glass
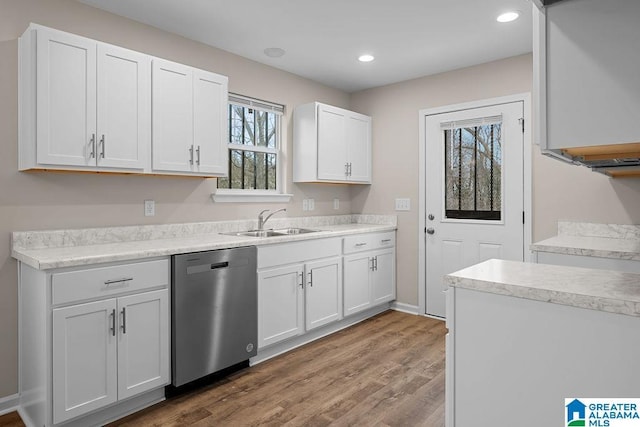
473	172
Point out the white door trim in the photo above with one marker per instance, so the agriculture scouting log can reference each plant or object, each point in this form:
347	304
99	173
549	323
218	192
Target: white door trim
526	170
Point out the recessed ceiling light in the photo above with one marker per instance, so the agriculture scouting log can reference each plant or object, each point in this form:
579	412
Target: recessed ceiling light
366	58
508	17
274	52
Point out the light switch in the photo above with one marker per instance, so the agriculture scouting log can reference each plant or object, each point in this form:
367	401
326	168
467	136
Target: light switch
305	205
336	203
312	204
403	204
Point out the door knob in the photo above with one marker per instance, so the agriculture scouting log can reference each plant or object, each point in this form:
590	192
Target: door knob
430	230
431	217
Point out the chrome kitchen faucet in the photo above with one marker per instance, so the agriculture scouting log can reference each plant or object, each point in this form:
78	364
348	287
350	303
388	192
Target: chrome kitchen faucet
262	220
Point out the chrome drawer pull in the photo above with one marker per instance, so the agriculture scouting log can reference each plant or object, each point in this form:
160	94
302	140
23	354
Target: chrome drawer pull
386	240
124	320
360	244
113	322
112	281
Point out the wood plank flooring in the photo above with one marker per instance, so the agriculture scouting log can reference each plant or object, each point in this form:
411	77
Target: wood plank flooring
385	371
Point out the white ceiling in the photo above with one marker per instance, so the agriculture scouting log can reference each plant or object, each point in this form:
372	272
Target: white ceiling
323	38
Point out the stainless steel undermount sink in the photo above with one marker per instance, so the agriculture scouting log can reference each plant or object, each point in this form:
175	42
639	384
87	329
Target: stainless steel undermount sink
271	233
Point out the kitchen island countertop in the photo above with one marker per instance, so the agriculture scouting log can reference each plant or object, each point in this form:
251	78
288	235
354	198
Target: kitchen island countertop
594	289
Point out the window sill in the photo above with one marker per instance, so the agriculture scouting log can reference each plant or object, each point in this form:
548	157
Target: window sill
231	196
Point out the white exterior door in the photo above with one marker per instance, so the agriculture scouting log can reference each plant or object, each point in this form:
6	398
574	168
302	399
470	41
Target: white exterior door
474	192
66	99
359	147
280	304
323	293
124	113
332	143
84	358
210	122
172	112
143	343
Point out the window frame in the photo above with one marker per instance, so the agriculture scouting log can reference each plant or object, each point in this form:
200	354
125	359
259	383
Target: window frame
257	195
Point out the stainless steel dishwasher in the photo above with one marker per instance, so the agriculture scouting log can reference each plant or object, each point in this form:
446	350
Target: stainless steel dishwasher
214	311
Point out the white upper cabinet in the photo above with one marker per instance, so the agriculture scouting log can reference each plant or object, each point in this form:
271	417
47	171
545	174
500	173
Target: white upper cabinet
586	80
89	107
331	144
124	108
189	116
86	105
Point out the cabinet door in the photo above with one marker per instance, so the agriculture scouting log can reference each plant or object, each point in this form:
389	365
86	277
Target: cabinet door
359	147
383	283
124	107
280	304
143	342
66	99
323	293
210	123
172	117
357	291
332	144
84	358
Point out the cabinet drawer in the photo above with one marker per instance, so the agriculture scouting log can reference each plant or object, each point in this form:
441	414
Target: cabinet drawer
107	281
367	242
289	253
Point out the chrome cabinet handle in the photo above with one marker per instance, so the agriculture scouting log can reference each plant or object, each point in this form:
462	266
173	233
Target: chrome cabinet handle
375	265
371	266
124	320
92	142
346	169
102	145
385	240
357	245
350	165
430	230
112	281
191	155
311	279
113	322
198	155
301	284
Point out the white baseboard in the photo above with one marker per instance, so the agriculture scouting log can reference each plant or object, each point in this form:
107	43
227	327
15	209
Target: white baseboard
9	403
405	308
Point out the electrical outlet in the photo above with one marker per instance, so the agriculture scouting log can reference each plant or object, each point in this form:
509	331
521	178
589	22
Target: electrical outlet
336	203
312	204
305	205
149	208
403	204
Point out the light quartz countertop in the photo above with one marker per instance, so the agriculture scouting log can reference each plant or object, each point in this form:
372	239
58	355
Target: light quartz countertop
596	240
602	290
45	250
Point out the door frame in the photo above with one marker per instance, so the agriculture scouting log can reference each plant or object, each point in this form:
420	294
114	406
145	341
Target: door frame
525	98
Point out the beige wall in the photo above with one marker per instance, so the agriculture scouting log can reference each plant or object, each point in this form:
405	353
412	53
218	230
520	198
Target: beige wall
48	201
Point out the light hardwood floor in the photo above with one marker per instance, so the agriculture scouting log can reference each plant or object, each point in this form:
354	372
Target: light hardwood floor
385	371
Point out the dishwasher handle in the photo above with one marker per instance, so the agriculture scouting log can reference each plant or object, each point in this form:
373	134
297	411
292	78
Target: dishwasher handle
203	268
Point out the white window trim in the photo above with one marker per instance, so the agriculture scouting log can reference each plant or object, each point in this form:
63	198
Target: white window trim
228	195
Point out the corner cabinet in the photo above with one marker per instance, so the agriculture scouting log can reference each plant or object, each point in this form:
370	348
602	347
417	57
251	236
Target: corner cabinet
299	288
95	341
87	106
331	144
189	120
369	271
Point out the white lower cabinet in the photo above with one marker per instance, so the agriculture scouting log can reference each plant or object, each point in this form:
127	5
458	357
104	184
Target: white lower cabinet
108	340
369	275
296	295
